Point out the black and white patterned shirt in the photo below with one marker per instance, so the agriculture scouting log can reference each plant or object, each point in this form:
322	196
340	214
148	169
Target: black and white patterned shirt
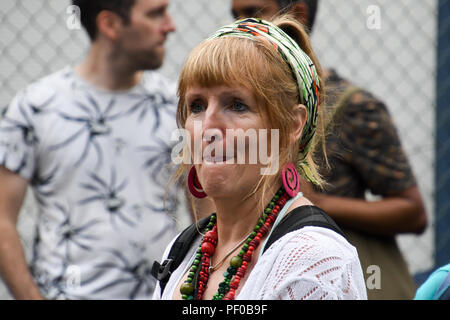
97	162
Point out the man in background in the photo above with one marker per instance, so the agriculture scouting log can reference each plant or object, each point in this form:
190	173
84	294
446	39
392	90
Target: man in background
364	153
93	143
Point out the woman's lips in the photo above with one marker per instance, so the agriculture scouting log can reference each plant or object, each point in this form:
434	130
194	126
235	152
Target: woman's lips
216	160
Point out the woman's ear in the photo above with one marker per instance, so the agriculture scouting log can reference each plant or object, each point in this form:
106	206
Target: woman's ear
300	116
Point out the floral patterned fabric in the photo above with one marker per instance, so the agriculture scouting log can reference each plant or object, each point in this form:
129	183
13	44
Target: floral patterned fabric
97	163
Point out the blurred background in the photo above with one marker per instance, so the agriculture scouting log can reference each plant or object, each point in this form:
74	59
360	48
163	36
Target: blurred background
395	49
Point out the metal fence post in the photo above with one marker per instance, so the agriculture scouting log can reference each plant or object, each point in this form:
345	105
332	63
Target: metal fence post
442	232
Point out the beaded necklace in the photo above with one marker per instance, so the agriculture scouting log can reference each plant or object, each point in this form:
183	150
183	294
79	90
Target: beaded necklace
195	284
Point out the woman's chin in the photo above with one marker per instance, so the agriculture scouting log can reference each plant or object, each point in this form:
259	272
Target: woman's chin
217	178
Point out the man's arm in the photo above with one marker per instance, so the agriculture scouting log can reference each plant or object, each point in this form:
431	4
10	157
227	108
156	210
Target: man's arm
13	265
400	213
366	140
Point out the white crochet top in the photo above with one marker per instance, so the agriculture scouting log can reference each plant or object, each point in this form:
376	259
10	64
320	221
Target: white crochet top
311	263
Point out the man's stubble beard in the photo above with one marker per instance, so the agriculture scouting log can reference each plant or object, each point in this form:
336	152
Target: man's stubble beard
147	60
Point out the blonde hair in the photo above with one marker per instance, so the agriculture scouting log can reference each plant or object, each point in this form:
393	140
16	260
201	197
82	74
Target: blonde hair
256	66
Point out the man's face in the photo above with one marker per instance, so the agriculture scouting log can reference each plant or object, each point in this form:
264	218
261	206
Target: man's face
143	38
264	9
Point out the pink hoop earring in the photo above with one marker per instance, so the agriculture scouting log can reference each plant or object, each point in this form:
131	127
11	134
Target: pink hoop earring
291	179
194	185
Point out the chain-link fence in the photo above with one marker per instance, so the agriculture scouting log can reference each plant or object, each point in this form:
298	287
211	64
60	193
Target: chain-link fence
388	47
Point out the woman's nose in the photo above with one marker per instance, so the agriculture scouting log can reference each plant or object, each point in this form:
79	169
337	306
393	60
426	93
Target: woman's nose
213	118
212	135
214	124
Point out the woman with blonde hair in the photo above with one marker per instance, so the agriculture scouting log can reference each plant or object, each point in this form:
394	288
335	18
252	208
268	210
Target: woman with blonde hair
255	76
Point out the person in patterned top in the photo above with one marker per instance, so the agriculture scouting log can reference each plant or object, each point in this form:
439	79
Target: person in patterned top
363	152
93	143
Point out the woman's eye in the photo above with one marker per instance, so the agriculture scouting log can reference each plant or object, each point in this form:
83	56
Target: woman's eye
239	106
197	107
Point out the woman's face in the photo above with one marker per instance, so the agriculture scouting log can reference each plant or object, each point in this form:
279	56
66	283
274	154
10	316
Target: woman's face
225	125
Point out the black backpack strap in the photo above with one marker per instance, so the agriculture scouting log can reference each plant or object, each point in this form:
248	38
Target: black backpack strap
162	271
301	217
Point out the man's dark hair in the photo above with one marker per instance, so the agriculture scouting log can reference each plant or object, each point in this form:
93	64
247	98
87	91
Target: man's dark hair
90	9
285	5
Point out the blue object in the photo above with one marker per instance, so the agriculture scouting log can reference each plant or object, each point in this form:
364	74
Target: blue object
437	286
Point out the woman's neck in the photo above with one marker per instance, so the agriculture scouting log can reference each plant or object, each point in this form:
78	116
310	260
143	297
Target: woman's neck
236	217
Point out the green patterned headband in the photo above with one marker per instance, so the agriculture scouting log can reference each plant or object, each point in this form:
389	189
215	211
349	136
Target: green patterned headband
301	66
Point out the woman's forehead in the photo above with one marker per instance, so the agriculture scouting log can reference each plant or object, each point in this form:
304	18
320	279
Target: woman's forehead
220	89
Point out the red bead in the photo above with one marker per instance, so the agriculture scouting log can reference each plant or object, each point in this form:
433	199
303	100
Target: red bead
208	248
229	296
253	244
212	234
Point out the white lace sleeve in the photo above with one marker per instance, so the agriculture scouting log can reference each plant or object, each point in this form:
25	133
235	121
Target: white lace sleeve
308	264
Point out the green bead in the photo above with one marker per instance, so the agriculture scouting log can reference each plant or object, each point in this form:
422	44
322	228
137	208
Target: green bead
245	247
196	262
191	274
253	234
194	268
223	287
268	210
184	296
236	262
187	288
241	253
